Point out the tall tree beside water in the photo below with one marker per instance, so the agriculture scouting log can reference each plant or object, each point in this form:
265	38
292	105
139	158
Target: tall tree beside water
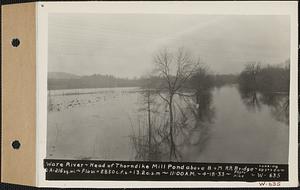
175	68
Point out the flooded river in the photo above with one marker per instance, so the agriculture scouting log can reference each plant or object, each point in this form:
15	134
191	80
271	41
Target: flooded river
223	125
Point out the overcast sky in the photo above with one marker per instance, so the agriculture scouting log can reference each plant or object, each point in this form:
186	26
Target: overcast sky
124	44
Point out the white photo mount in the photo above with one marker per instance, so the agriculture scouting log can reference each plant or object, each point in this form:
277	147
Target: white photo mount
26	165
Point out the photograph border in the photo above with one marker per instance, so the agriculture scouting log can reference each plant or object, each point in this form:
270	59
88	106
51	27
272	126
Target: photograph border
206	8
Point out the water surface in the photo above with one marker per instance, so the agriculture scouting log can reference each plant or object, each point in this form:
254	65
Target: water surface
224	125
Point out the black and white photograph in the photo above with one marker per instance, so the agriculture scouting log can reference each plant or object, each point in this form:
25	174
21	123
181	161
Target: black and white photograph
168	87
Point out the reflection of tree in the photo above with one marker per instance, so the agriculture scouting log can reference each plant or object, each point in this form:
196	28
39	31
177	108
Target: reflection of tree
205	112
148	104
192	118
202	114
277	102
250	99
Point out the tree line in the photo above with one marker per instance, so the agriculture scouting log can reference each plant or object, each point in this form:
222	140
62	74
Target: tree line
92	81
256	77
109	81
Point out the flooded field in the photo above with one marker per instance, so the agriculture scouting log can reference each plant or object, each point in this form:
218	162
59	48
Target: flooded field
223	125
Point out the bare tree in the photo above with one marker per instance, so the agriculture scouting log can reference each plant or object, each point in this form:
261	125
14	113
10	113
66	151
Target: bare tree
175	69
248	78
253	70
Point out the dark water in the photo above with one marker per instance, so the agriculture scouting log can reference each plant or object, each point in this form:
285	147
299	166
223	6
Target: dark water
222	125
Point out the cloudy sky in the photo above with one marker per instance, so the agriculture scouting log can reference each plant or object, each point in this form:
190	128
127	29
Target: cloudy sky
124	44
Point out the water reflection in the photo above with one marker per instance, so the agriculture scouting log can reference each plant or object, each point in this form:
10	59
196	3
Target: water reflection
277	102
250	99
204	111
193	119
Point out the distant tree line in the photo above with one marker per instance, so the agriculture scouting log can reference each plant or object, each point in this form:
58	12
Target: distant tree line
265	78
224	79
92	81
201	79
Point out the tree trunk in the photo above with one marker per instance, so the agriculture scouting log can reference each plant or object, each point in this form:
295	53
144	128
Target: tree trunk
172	146
149	123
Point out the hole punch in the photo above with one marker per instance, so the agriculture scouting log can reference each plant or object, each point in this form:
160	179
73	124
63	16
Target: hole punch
15	42
16	144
